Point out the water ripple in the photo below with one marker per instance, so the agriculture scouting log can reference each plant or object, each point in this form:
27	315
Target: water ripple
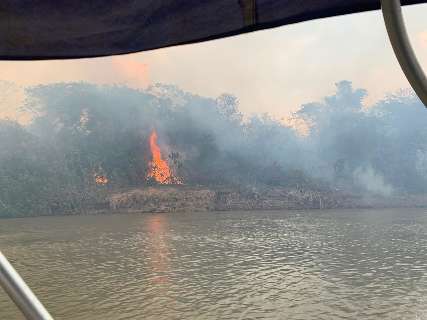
260	265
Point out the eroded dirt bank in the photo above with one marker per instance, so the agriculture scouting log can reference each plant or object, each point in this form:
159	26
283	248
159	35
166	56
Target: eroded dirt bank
182	198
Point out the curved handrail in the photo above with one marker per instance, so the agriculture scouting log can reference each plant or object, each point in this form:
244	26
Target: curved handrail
393	18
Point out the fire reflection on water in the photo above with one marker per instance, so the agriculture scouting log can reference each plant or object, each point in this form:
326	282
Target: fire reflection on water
159	253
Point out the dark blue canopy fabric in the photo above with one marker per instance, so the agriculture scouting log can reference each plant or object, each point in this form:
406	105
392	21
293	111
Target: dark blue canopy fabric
62	29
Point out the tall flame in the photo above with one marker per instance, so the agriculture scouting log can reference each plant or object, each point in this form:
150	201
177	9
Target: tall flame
158	169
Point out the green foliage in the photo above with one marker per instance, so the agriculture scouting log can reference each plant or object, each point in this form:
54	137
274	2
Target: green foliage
81	130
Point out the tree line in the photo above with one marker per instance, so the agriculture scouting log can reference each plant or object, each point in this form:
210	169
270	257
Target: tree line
80	130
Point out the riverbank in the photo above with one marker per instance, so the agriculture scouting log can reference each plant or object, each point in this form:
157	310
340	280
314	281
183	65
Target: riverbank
171	199
192	199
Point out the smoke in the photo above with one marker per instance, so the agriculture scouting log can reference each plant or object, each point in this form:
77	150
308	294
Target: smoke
135	72
371	181
79	128
11	98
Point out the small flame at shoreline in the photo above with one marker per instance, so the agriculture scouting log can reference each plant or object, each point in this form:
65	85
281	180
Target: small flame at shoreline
158	169
101	180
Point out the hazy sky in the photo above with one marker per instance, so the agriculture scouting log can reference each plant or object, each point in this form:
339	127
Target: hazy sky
272	71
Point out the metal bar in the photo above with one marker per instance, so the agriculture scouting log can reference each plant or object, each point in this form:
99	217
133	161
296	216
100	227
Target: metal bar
20	293
393	18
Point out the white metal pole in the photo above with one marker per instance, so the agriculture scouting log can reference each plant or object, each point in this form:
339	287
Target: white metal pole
393	18
20	293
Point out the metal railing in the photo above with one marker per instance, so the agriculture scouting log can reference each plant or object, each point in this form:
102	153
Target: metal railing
393	18
33	309
20	293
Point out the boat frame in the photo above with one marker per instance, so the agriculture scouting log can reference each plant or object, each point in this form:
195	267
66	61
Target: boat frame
33	309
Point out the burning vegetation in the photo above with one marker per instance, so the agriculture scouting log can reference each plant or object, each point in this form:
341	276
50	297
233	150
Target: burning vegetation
158	168
101	180
80	140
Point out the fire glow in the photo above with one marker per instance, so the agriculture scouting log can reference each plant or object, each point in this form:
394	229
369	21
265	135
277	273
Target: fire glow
101	180
158	169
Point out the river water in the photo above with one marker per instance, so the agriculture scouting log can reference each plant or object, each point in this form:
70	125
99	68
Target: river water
343	264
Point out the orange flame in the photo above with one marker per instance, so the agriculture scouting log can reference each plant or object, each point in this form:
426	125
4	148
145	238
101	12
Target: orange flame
158	169
101	180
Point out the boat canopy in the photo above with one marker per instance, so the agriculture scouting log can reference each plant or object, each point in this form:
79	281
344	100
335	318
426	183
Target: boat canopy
65	29
62	29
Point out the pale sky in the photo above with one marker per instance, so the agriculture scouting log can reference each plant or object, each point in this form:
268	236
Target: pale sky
272	71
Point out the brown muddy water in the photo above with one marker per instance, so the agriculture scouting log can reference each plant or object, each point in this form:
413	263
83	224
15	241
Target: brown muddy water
341	264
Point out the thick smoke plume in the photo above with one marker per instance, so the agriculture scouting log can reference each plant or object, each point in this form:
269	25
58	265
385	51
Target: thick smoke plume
80	131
